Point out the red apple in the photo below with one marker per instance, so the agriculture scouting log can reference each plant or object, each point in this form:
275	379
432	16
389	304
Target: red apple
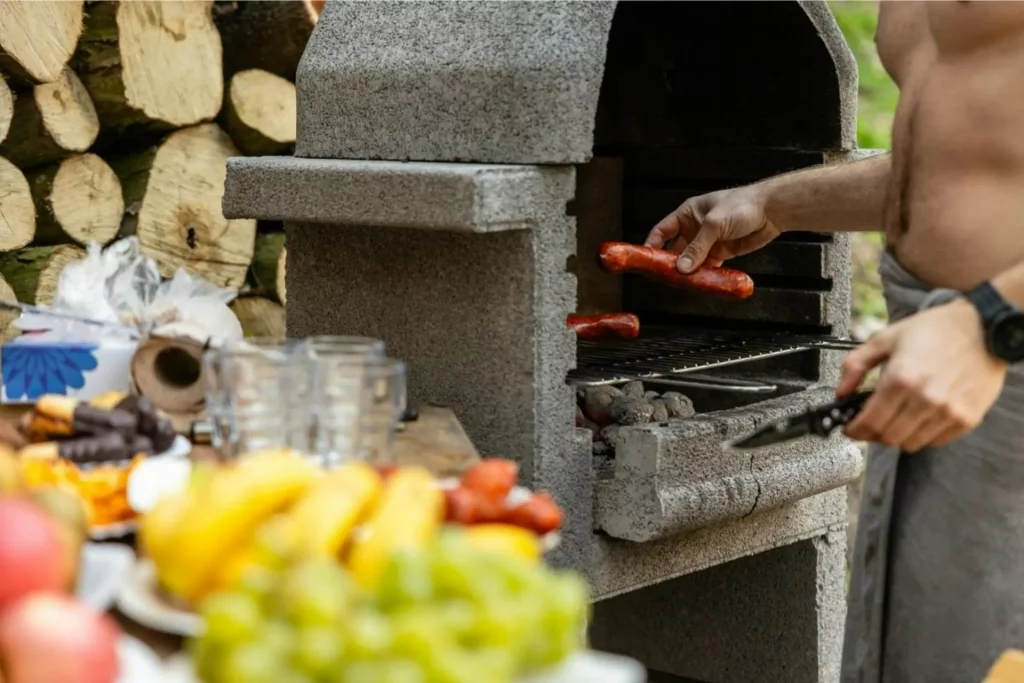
32	553
49	638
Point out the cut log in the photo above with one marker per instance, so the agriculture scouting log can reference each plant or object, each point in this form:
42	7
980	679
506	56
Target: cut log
265	35
77	200
151	65
38	37
6	108
172	194
53	121
7	317
268	266
33	272
17	212
260	317
259	113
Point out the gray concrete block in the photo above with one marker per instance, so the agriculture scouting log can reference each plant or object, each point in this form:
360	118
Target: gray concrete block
570	479
430	196
774	617
478	318
824	22
504	82
677	477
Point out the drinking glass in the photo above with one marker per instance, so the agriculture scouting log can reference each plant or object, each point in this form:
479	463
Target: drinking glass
383	403
259	396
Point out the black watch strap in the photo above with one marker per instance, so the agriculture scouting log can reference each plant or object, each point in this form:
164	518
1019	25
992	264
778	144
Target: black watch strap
989	302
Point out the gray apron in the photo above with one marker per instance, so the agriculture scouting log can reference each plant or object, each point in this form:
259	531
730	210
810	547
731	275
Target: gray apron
937	583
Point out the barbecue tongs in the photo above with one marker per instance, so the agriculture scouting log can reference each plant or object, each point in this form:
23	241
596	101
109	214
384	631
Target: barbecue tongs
819	421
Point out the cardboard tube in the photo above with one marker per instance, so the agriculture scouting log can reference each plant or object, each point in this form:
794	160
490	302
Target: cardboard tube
169	372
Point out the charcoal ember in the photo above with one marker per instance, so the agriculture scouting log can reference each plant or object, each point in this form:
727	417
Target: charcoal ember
597	401
631	411
660	413
633	389
651	395
679	406
601	448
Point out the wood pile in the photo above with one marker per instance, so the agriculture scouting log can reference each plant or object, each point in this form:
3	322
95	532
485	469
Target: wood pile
117	118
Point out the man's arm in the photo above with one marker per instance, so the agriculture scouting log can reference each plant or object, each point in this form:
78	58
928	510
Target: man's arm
846	197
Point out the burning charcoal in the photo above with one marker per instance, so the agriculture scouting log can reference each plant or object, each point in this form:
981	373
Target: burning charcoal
601	448
679	407
596	402
633	389
581	419
651	395
631	411
660	413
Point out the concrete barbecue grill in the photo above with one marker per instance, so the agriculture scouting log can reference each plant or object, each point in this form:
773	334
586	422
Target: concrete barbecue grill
457	166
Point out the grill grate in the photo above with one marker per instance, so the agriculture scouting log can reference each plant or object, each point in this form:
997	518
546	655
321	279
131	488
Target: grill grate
667	357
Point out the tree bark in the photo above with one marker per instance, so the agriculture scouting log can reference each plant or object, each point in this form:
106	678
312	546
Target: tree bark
77	200
172	193
259	113
33	272
151	65
259	317
268	266
7	317
51	122
17	212
38	37
265	35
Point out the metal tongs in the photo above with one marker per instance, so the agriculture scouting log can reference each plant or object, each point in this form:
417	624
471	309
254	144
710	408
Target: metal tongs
820	421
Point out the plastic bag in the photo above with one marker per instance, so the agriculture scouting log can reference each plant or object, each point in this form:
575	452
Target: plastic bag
121	286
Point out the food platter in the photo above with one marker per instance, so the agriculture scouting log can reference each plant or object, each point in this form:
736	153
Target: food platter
140	600
103	569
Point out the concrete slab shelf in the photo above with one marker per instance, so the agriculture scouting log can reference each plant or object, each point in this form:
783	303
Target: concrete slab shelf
453	197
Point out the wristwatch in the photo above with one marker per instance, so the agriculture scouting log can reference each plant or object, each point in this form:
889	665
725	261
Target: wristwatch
1003	323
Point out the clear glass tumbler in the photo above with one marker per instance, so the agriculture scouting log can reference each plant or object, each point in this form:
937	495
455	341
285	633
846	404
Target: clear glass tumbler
264	401
383	403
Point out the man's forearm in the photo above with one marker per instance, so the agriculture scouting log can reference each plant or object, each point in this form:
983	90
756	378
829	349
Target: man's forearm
846	197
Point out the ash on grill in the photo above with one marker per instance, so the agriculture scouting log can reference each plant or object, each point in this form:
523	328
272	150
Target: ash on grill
603	409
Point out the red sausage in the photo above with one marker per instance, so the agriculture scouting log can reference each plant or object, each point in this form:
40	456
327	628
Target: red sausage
605	326
660	265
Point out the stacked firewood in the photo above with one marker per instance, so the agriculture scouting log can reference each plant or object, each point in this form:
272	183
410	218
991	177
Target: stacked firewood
117	119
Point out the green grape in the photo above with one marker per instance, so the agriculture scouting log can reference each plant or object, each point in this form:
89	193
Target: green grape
206	656
396	671
369	635
249	663
317	651
494	665
277	637
406	581
258	583
295	677
457	617
416	635
505	623
231	618
453	567
273	545
317	593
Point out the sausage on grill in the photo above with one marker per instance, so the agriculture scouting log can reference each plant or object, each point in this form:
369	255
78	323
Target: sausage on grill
660	265
605	326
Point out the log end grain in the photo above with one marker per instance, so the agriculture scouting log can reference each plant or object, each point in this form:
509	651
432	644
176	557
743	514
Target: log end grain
163	71
259	316
17	210
7	317
6	108
37	38
178	197
78	201
259	113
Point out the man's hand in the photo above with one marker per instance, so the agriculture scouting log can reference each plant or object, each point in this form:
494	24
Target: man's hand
938	383
715	227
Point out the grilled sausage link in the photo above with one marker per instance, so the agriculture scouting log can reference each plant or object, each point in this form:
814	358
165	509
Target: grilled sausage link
660	265
605	326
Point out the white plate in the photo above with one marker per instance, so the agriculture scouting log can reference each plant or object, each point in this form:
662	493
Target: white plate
137	662
103	569
140	600
179	450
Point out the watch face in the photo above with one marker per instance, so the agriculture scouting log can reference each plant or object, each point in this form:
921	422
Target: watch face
1007	338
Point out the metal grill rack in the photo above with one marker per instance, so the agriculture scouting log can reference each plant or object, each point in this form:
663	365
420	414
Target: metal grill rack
676	358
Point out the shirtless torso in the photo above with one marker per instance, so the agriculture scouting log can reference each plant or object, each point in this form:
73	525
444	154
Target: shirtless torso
955	206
